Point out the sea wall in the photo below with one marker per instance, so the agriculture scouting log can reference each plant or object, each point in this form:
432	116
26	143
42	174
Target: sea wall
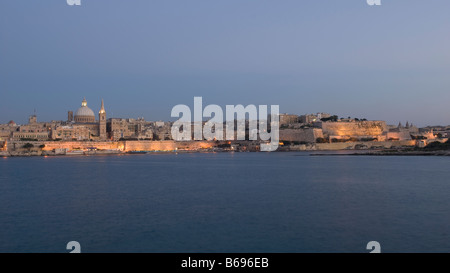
364	145
166	145
81	145
300	135
16	148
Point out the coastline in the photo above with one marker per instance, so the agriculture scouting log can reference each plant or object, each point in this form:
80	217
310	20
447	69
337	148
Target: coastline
311	153
389	153
91	148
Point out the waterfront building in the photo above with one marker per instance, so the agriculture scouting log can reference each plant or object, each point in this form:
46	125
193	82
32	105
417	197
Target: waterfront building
311	118
287	119
34	130
121	128
82	125
401	132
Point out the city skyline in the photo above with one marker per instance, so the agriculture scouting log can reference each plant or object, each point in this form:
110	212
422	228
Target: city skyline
388	62
84	102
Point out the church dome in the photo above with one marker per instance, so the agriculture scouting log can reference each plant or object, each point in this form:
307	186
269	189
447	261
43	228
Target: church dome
84	113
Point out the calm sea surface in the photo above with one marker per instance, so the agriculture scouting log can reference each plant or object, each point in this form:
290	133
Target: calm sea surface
225	202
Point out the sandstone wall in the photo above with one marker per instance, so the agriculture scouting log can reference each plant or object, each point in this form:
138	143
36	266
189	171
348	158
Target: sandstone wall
371	144
355	129
165	145
404	135
83	145
69	145
300	135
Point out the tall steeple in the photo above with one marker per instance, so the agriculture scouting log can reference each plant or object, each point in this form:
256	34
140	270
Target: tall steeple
102	122
102	109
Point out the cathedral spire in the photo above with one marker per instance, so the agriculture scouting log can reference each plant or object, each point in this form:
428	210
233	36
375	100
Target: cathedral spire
84	102
102	109
102	122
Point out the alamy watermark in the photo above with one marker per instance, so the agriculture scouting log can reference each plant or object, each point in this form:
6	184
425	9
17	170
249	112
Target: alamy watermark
74	246
74	2
374	246
261	126
374	2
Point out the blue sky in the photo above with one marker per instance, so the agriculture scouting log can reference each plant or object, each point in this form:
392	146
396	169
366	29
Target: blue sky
390	62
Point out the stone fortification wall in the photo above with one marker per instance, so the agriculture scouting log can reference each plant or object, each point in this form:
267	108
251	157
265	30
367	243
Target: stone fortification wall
125	146
354	129
364	145
80	145
300	135
166	145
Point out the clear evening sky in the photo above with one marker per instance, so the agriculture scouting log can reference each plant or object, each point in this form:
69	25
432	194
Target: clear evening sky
390	62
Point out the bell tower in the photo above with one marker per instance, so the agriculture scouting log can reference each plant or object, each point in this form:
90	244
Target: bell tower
102	122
